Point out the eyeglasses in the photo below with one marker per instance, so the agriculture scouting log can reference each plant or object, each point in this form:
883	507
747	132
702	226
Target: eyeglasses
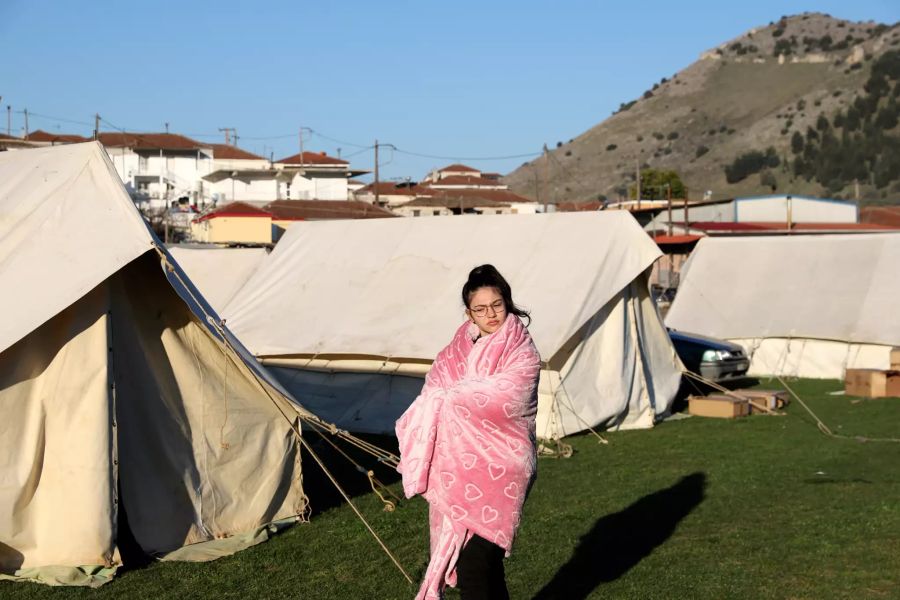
498	306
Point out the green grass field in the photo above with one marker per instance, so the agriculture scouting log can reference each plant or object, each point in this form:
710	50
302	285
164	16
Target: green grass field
759	507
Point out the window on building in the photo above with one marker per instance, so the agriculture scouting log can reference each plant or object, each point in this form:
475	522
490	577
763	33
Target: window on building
142	163
436	213
416	213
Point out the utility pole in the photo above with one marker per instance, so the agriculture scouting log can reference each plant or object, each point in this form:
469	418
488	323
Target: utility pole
26	122
669	205
167	127
546	165
227	131
377	197
8	119
686	219
301	145
790	216
637	182
96	126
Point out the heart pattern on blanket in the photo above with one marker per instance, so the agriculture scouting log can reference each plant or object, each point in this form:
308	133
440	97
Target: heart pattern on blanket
509	410
501	540
489	514
489	426
480	399
462	411
447	480
457	513
511	490
496	471
473	492
468	460
514	444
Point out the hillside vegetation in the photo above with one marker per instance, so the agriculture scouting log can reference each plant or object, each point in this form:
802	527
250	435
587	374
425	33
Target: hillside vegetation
806	105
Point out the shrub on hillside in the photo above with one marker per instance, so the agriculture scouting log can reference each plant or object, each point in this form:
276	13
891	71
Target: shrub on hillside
749	163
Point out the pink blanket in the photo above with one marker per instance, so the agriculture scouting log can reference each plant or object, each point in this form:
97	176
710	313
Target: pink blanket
467	443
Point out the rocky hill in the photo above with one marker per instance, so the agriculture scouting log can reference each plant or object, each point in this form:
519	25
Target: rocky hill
806	105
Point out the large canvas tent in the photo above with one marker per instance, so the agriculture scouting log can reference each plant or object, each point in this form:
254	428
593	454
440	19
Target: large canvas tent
349	314
119	393
806	306
218	272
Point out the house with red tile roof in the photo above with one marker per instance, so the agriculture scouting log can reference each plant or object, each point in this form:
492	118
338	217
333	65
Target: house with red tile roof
44	138
454	189
306	176
235	223
160	169
286	213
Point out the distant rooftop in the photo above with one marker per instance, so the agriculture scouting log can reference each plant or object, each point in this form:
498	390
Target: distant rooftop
228	151
312	158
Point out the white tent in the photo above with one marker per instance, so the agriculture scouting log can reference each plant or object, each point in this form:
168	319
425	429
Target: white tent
118	392
218	272
349	314
806	306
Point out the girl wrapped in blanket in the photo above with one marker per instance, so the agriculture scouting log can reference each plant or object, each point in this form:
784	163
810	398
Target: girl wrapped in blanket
467	443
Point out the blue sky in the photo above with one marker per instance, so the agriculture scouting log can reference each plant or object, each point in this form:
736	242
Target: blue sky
461	80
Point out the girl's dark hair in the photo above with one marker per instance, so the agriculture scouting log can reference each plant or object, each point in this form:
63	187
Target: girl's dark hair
489	276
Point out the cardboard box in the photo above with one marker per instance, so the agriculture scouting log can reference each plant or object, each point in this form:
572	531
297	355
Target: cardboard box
895	359
718	406
771	399
872	383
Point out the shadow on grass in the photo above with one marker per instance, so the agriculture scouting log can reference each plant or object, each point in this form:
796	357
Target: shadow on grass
619	541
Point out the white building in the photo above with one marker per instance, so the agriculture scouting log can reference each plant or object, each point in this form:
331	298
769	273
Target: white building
161	168
242	176
782	208
452	190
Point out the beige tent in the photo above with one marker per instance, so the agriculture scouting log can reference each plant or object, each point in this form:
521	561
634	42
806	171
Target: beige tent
349	314
218	272
119	393
805	306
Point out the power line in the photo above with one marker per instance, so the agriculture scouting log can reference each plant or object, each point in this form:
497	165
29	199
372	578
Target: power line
361	147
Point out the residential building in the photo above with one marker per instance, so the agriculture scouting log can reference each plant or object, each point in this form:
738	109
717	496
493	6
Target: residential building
317	176
235	223
440	205
288	212
452	190
242	176
44	138
389	193
161	168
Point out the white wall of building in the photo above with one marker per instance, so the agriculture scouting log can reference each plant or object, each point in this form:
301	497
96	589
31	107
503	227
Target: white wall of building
318	186
722	212
232	189
802	210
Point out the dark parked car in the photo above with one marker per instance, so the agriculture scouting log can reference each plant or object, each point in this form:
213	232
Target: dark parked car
712	358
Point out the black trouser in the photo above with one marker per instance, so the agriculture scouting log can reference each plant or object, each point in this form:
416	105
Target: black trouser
479	571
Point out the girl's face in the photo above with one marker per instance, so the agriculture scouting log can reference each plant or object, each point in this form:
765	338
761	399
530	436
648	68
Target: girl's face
487	309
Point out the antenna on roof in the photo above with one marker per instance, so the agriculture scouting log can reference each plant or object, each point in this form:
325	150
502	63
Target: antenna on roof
167	127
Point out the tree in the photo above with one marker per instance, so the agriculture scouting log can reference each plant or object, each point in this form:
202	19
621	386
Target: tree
797	142
654	182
